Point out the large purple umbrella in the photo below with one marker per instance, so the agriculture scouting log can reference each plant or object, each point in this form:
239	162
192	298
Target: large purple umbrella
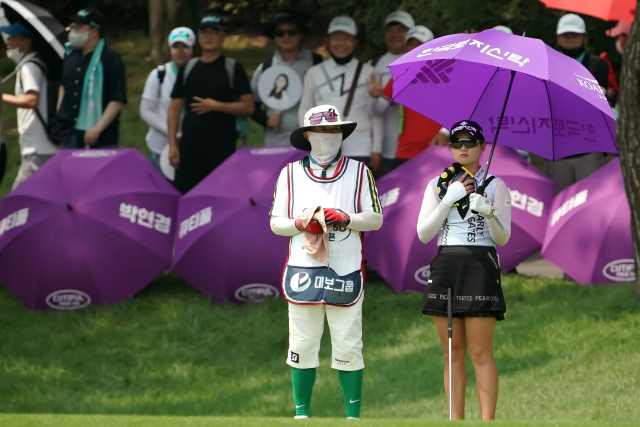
395	250
90	227
544	102
589	229
224	244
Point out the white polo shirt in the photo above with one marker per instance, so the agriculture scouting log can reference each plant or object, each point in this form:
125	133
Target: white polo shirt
154	91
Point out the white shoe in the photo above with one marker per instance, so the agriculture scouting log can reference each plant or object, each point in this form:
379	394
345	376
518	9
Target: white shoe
352	418
300	417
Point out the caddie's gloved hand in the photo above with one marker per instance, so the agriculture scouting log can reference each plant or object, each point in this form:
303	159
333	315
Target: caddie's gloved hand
480	204
332	215
313	227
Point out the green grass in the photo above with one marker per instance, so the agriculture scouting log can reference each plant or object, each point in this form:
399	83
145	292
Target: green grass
565	353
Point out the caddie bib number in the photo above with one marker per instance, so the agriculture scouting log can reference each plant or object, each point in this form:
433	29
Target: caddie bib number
321	285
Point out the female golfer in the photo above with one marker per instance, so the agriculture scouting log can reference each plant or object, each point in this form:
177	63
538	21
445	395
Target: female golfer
471	220
280	84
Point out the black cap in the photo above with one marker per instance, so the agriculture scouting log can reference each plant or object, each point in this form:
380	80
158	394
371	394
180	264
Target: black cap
284	15
212	20
90	16
469	126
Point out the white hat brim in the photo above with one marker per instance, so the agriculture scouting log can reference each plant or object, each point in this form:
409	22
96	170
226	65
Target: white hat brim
298	140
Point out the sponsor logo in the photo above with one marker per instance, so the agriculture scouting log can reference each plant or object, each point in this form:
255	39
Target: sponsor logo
435	71
590	84
68	299
622	270
256	292
94	153
299	406
354	401
300	282
422	275
295	357
271	151
342	362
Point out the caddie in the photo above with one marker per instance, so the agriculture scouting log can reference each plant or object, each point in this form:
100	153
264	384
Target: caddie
347	193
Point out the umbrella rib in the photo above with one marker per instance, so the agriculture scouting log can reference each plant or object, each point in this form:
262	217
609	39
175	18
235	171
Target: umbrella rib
615	142
553	139
485	89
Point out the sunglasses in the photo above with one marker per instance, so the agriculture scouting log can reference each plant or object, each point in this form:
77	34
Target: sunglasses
282	33
179	35
330	116
458	143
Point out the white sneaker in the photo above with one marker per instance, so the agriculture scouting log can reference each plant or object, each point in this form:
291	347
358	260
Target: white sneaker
300	417
352	418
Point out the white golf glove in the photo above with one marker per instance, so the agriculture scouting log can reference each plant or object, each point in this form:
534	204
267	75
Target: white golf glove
480	204
455	192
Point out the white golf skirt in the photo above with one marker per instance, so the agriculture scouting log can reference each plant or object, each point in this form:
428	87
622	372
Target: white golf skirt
306	325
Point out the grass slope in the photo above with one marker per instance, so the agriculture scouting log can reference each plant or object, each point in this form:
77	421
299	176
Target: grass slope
565	352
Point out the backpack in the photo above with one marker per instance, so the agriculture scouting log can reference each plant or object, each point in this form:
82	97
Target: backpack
53	87
242	123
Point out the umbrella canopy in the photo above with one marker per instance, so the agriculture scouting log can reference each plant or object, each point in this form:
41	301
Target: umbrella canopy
609	10
589	229
224	244
541	100
38	19
90	227
395	250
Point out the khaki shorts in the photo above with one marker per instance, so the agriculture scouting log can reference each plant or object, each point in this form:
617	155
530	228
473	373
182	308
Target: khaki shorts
306	325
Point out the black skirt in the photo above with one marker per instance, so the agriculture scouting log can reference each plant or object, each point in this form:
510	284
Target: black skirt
473	274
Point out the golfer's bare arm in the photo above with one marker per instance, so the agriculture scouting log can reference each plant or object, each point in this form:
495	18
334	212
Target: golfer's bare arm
28	100
432	214
109	114
500	221
173	120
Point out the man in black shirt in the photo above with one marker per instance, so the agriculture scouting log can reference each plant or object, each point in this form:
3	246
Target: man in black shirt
96	87
213	91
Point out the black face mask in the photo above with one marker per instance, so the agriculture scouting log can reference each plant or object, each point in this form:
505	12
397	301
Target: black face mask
342	61
573	53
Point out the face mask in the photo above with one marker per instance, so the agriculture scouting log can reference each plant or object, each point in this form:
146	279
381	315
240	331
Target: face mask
573	53
324	146
619	47
77	39
14	54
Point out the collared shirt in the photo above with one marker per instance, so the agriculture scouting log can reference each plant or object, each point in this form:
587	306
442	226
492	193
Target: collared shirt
289	121
74	68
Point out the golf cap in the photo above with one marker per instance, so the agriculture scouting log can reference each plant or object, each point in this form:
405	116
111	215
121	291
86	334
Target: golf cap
571	23
284	15
182	35
400	17
343	23
623	27
471	127
211	20
503	28
90	16
420	33
18	28
322	115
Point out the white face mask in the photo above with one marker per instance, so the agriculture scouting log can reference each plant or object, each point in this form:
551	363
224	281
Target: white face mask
78	39
324	146
14	54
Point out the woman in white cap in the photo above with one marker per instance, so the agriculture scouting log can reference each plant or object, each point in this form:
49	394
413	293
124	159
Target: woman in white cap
328	190
471	216
156	95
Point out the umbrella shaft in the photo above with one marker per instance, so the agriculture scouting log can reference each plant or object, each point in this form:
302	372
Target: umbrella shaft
495	140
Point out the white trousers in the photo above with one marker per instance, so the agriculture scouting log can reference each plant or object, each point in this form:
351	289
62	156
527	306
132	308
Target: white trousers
306	325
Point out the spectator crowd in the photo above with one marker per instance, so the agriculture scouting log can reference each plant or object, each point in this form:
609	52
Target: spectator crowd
198	106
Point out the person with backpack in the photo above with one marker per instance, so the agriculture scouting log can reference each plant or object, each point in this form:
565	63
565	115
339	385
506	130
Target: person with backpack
30	100
572	38
156	95
93	87
214	93
286	29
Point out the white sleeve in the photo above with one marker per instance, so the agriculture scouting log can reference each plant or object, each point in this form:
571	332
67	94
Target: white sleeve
369	200
152	86
31	78
254	83
306	101
500	223
365	221
377	124
149	113
432	214
380	105
281	195
283	226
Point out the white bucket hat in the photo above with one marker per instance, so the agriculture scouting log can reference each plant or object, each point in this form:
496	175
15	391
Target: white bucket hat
322	115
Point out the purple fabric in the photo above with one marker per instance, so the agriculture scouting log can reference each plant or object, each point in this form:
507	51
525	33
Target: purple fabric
74	246
224	244
589	229
395	250
555	108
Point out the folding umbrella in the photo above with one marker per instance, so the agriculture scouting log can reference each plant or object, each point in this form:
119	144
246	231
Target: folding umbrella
90	227
589	229
224	244
609	10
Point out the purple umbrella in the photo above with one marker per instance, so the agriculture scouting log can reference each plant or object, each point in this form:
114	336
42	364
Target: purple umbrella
589	229
90	227
224	244
396	252
548	103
